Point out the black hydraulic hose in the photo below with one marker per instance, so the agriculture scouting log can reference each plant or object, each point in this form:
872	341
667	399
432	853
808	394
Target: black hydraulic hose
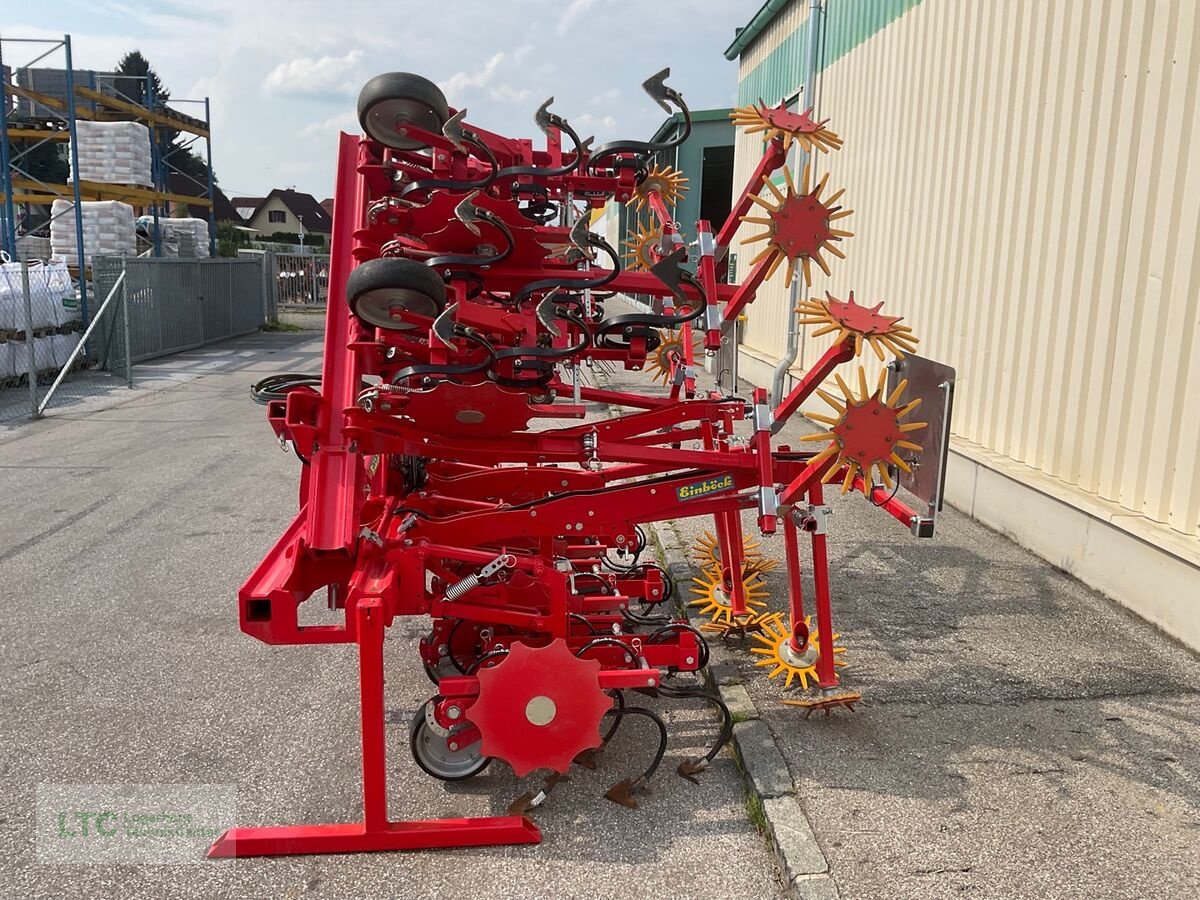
675	627
491	654
586	622
277	387
606	642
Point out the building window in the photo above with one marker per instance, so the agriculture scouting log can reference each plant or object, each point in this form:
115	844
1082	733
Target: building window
276	216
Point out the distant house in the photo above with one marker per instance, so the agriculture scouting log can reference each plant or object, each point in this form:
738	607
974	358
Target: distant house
223	207
246	206
288	211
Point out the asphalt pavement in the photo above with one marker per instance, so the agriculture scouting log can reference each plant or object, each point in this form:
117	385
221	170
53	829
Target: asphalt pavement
131	523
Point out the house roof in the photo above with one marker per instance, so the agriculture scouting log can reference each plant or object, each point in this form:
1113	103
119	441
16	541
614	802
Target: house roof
327	205
247	202
744	37
223	207
698	115
303	206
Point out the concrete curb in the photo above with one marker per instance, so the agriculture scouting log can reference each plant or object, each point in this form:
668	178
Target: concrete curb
769	787
770	791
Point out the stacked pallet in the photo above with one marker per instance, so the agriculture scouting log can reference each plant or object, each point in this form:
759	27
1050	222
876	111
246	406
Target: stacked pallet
47	329
114	152
192	235
108	229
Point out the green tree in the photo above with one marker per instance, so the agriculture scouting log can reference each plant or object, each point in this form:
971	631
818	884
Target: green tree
137	88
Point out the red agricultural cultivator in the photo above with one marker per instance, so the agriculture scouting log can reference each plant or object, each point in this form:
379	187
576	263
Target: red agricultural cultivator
466	305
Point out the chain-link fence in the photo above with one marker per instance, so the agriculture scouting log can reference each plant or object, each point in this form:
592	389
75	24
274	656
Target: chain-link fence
140	309
292	280
46	351
181	304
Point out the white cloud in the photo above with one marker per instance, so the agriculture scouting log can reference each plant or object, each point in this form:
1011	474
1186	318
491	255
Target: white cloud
572	14
587	120
506	93
326	75
327	128
460	82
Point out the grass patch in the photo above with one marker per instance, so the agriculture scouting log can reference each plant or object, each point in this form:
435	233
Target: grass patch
281	326
741	717
755	813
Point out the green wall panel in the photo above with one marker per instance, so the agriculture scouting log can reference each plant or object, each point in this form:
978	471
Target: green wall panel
847	24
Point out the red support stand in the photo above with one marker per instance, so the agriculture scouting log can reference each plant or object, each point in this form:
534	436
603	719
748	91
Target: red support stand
375	832
791	548
826	676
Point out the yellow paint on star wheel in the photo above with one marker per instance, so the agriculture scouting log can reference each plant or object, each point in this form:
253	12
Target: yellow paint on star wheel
712	601
776	652
669	183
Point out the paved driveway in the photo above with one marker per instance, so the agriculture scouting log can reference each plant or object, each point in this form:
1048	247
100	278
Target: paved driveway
128	533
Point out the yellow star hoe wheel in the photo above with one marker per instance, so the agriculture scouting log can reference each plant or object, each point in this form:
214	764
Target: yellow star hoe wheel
715	601
640	243
864	322
775	648
867	433
800	225
669	182
670	345
779	121
706	551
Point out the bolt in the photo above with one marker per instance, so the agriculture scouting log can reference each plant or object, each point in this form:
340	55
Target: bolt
454	745
689	660
453	712
650	682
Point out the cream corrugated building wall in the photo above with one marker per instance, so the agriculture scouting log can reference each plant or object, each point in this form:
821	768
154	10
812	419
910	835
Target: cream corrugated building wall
1027	194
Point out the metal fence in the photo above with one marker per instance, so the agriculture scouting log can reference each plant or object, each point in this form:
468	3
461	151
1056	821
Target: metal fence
298	280
53	355
180	304
47	354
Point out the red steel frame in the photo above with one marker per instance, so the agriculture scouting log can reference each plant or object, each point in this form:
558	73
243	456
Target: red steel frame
376	557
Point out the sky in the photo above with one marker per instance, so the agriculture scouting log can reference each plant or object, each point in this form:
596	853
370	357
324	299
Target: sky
283	77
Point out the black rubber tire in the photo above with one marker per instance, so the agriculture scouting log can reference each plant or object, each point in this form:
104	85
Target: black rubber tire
397	98
382	290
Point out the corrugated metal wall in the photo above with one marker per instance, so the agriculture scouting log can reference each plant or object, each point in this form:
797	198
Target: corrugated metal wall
1027	194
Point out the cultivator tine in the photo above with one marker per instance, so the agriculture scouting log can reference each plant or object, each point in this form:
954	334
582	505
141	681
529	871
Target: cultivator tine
690	768
624	792
660	93
828	700
443	326
543	118
454	132
581	237
530	801
587	759
545	313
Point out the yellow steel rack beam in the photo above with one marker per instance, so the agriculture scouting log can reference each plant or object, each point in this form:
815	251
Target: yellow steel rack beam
141	112
81	112
34	134
99	190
